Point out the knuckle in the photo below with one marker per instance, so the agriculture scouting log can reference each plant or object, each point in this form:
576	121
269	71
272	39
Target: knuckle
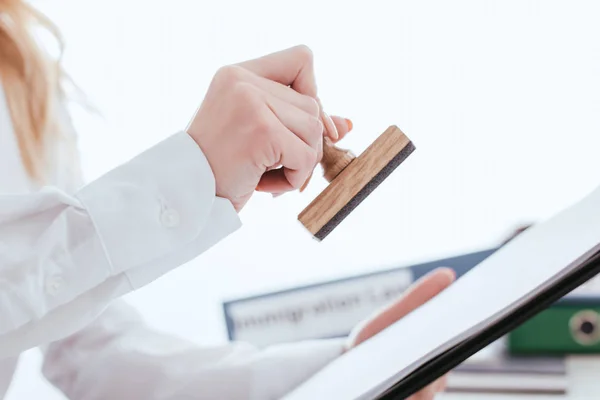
244	92
229	74
312	156
311	106
250	108
304	52
315	129
263	126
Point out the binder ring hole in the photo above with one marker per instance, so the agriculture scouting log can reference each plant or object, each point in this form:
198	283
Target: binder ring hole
585	327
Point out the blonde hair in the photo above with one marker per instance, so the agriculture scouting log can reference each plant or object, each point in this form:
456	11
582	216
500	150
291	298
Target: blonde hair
31	80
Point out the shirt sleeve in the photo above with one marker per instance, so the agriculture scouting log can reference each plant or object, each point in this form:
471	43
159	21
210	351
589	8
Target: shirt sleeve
64	258
117	356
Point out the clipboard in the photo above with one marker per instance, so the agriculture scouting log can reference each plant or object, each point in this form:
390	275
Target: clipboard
443	364
521	279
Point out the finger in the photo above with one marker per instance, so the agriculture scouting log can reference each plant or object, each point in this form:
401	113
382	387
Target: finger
319	157
291	67
430	391
303	102
307	127
305	184
330	128
274	181
427	393
442	383
419	293
297	160
343	125
281	180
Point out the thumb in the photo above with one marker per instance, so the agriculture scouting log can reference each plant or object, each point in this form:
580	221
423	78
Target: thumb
418	294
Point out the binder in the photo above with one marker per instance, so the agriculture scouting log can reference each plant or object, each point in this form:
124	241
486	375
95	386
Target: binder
569	326
242	315
550	259
401	277
451	359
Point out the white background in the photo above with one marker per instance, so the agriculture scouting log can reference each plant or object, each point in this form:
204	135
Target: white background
501	98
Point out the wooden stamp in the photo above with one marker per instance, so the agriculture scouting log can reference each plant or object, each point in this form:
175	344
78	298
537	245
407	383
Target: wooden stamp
351	179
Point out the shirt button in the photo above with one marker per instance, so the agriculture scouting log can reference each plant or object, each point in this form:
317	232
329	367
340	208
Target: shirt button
169	218
54	284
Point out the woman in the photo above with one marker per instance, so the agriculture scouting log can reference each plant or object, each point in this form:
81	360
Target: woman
69	251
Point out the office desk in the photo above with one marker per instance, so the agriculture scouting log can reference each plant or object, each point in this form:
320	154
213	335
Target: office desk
583	377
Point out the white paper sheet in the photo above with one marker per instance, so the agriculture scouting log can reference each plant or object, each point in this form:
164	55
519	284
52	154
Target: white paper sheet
511	276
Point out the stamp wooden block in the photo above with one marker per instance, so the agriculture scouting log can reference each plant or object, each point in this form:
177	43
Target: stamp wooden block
352	179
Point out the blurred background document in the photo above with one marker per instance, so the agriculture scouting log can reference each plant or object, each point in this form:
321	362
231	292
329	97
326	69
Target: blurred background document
511	277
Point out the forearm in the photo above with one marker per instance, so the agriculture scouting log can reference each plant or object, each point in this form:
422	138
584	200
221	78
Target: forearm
63	258
119	357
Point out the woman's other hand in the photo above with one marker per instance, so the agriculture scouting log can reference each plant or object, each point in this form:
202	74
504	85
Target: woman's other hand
418	294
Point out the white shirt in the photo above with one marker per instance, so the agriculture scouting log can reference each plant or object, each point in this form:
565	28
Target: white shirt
69	251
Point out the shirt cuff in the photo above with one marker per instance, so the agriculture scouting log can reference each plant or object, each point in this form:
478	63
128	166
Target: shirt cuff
221	222
155	205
